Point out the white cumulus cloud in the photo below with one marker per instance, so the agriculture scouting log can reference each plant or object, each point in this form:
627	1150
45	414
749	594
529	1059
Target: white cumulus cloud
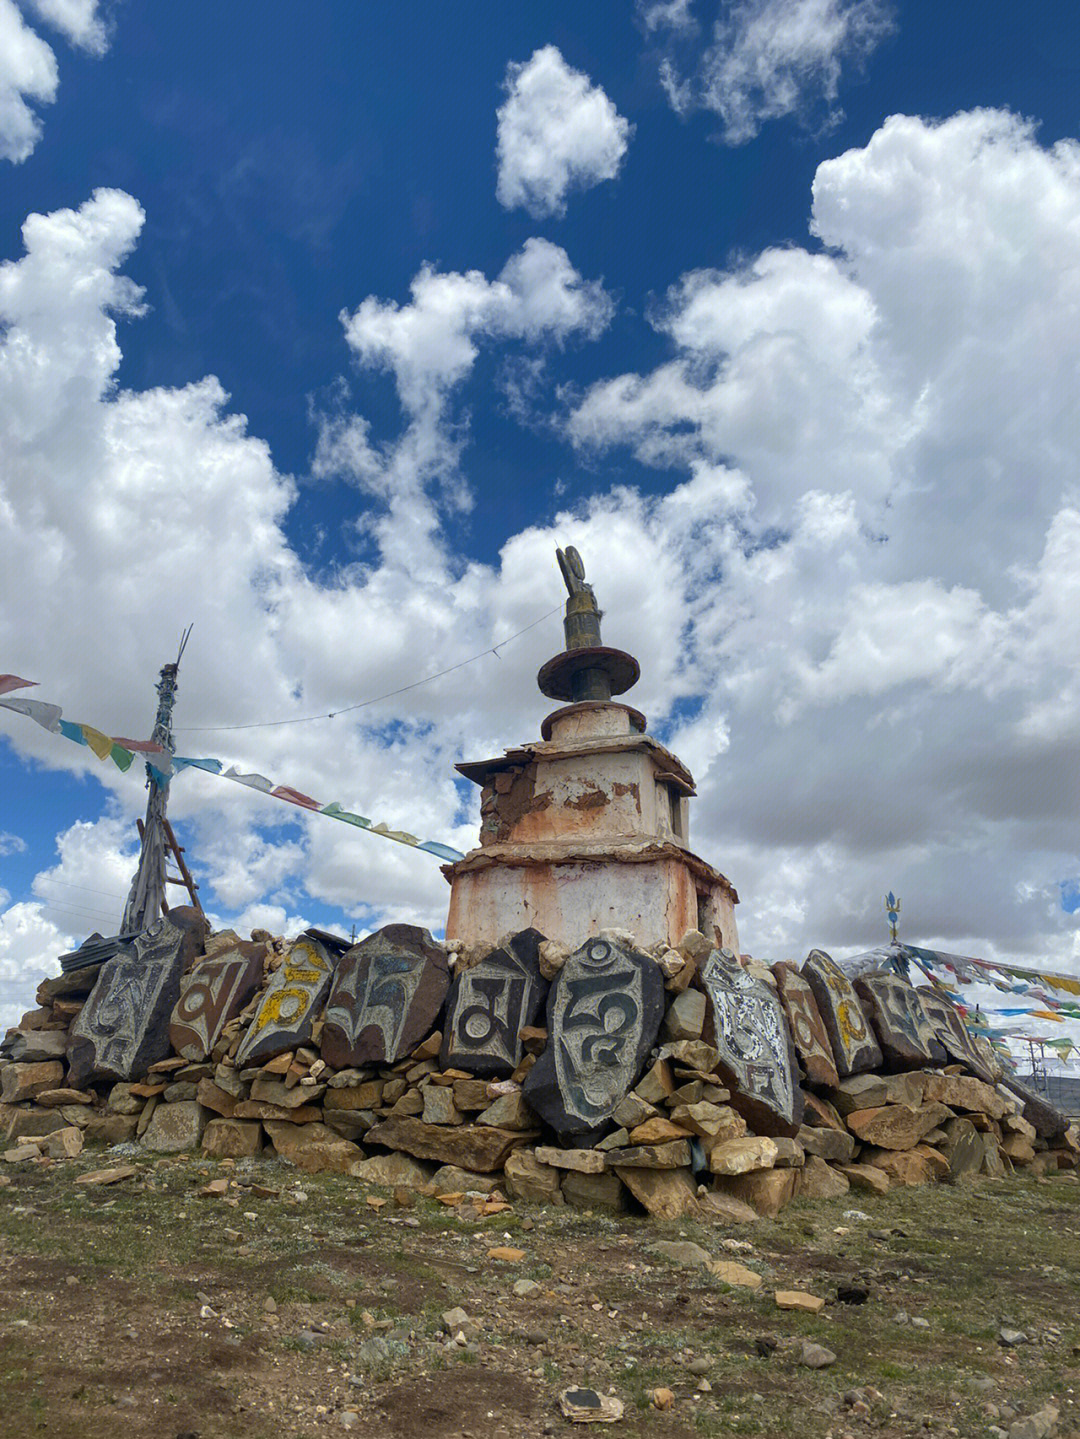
769	58
557	132
852	585
79	21
28	69
27	73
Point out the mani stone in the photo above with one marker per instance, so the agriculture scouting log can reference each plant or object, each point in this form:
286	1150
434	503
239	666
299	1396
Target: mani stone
746	1025
904	1032
123	1027
215	992
808	1031
489	1006
852	1040
291	1003
603	1015
387	996
953	1034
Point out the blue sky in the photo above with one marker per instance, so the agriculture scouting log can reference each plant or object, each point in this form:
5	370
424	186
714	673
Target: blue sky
797	378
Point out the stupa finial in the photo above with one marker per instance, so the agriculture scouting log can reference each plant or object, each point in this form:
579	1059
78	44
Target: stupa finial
586	670
581	624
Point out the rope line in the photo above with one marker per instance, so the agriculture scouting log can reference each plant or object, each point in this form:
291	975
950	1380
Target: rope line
375	699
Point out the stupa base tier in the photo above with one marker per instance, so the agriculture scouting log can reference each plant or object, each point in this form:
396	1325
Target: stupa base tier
656	891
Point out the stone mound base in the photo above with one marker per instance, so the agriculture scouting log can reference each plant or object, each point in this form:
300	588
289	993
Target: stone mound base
678	1137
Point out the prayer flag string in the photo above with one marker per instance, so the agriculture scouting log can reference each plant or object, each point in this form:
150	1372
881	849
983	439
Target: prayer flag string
164	765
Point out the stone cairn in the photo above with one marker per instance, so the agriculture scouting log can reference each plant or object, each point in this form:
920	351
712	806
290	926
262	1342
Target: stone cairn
684	1079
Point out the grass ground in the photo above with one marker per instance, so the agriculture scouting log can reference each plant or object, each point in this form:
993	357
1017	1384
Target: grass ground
143	1311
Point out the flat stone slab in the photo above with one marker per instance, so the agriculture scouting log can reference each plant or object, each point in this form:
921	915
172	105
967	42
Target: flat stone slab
24	1081
665	1193
489	1005
585	1161
821	1181
743	1156
478	1147
123	1027
675	1155
766	1190
903	1028
808	1032
34	1046
232	1139
798	1300
829	1144
388	993
313	1147
107	1176
746	1024
895	1126
175	1127
1048	1122
526	1178
604	1011
291	1003
958	1091
213	993
851	1038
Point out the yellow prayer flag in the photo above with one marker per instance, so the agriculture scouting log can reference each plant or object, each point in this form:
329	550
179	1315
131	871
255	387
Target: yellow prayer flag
100	743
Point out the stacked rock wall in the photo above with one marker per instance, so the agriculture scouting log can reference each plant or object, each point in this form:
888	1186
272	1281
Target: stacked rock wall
681	1080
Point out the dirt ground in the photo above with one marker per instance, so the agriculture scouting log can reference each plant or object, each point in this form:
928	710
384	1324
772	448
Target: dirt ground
295	1307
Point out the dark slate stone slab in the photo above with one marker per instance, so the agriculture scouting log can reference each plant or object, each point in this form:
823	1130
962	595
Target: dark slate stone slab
808	1031
854	1047
388	993
903	1028
123	1027
603	1015
488	1006
1049	1123
291	1003
744	1022
94	950
214	992
952	1032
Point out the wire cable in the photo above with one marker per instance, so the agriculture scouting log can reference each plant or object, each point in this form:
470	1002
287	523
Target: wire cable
375	699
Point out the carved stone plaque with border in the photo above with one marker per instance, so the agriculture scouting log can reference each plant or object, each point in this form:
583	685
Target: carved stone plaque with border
490	1004
952	1032
291	1003
854	1047
123	1027
604	1010
213	993
388	993
904	1031
808	1031
745	1023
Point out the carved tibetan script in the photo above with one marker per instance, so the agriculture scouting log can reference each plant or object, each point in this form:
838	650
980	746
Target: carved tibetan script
124	1026
603	1013
291	1003
951	1030
387	996
808	1030
904	1031
490	1003
214	992
853	1044
747	1027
